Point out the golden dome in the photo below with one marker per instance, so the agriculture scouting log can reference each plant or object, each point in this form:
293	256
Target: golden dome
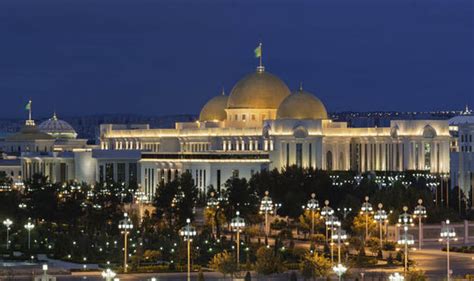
258	90
302	105
214	109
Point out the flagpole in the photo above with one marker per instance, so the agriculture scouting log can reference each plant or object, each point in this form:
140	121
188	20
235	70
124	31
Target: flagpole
29	111
261	54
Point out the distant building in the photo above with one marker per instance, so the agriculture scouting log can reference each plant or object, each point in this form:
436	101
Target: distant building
462	156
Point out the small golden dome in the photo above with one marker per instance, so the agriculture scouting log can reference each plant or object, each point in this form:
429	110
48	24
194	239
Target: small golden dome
302	105
214	109
258	90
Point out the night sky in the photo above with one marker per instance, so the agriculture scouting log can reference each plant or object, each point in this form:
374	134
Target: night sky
159	57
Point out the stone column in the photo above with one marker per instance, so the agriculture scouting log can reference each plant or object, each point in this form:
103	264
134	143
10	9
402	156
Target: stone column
466	231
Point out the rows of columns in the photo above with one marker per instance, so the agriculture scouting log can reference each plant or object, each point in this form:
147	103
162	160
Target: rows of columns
240	144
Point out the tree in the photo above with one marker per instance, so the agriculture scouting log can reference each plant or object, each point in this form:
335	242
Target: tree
224	263
268	262
176	199
314	266
358	225
241	197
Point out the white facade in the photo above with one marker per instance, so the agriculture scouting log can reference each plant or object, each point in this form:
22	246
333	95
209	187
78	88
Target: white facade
462	156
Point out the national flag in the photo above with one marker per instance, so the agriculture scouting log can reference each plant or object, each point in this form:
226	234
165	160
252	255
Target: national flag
258	51
28	106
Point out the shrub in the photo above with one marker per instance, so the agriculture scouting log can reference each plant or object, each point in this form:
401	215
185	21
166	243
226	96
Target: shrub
314	265
390	259
268	262
223	263
399	256
379	254
248	277
416	275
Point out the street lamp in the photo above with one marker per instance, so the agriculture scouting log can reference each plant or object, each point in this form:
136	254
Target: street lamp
380	217
141	199
29	226
405	220
339	270
213	204
340	235
358	179
188	232
326	212
366	210
237	224
266	207
345	211
447	234
396	277
108	274
7	223
312	206
332	222
125	225
420	212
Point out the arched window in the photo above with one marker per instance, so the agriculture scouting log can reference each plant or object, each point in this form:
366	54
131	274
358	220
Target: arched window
329	160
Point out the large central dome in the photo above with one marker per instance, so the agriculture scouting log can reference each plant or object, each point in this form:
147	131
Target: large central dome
260	89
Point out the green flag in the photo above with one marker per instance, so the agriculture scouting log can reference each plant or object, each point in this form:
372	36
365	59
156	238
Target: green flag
28	106
258	51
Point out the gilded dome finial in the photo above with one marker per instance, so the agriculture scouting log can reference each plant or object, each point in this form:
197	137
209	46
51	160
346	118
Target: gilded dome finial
55	117
301	87
223	91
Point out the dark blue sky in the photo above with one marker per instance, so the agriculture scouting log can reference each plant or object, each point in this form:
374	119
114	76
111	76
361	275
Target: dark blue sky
170	56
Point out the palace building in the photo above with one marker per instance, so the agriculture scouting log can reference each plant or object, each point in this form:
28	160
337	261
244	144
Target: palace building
261	124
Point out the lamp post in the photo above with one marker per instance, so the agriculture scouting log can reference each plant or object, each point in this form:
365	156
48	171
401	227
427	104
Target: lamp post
326	212
444	182
339	269
108	274
405	220
29	226
141	199
332	222
366	210
188	232
420	212
447	234
7	223
125	225
312	206
266	207
340	236
237	224
358	179
345	211
213	204
380	217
